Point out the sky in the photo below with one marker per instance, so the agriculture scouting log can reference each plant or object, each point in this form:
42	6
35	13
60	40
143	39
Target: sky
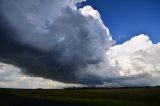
127	18
63	43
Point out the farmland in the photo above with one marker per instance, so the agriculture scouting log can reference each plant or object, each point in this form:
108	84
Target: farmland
81	97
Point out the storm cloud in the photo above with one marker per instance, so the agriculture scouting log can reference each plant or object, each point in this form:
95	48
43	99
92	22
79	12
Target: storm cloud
53	39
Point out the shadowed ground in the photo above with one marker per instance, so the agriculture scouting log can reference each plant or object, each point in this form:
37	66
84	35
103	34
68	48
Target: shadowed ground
81	97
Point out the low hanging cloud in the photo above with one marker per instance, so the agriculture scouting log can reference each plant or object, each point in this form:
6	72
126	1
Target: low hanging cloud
12	77
53	39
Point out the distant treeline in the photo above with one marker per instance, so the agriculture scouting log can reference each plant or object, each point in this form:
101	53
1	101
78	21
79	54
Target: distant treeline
76	88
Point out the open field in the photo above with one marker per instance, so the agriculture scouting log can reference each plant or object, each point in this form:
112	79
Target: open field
81	97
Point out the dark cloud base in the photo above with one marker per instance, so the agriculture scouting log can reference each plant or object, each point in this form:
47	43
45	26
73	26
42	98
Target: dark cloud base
52	59
69	48
34	62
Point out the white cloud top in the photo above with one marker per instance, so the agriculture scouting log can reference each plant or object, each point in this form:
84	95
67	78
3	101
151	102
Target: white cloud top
136	56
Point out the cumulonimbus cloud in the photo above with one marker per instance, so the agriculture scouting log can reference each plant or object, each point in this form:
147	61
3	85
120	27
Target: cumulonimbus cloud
53	39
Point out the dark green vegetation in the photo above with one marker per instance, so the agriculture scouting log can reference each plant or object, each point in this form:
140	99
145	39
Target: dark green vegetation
81	97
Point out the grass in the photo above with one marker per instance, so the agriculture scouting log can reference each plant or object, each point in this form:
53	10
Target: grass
82	97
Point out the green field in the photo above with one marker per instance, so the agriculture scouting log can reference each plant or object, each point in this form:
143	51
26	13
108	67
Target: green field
81	97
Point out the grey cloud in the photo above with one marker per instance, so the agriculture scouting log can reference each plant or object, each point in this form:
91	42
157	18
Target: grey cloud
53	44
53	40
